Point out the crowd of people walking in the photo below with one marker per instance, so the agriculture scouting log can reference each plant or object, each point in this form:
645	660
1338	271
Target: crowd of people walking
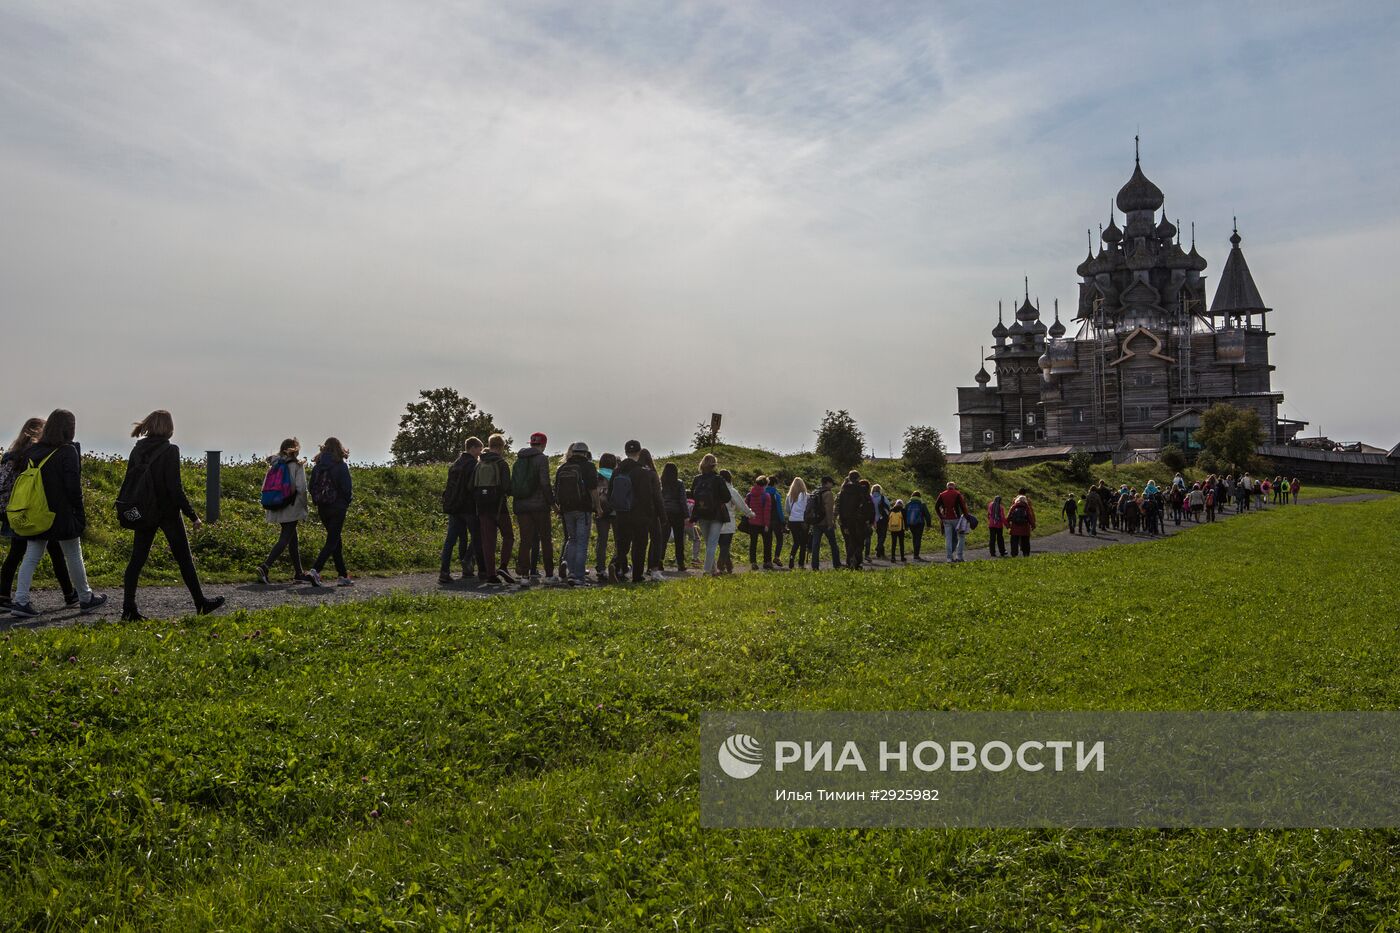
630	513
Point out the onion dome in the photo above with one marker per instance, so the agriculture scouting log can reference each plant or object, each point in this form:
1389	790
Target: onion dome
1027	311
1016	329
1086	267
982	378
1166	229
1057	330
999	332
1112	234
1139	194
1198	262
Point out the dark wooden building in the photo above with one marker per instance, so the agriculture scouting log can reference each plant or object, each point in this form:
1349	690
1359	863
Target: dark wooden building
1142	356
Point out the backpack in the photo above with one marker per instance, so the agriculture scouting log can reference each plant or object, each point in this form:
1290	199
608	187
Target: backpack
816	508
1020	514
137	508
620	493
28	509
572	496
707	498
896	520
324	493
524	478
278	491
487	483
457	496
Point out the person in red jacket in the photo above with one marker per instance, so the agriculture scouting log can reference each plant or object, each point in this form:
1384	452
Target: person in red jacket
996	524
1020	521
950	506
761	524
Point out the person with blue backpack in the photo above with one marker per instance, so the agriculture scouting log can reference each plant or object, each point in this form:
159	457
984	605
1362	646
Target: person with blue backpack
636	502
152	499
463	529
284	504
331	493
917	518
46	504
11	465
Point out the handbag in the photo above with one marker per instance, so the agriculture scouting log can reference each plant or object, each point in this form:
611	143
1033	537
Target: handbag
964	525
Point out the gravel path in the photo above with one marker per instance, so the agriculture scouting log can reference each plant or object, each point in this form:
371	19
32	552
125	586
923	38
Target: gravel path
173	602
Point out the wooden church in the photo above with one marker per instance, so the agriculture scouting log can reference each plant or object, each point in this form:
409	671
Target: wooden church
1142	356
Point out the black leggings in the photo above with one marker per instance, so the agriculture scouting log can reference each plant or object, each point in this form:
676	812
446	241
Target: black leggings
675	525
287	541
797	554
917	533
16	556
334	520
997	542
767	536
897	545
179	543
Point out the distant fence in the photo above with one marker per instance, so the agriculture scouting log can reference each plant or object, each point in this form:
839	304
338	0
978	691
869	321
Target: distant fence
1334	467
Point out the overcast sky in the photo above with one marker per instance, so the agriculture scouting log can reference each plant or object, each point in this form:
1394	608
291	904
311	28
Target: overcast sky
608	220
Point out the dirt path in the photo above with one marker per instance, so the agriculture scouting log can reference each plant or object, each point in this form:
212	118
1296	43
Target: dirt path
172	602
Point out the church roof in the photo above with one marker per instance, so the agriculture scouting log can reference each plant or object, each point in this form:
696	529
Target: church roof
1236	291
1139	194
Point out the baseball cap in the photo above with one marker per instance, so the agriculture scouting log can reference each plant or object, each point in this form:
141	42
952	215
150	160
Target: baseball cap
632	447
538	439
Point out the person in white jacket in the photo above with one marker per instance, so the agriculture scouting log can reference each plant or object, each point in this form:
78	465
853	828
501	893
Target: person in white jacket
737	506
288	515
797	522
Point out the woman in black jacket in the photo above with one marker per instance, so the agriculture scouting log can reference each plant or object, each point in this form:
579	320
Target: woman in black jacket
61	472
12	463
673	502
331	493
147	506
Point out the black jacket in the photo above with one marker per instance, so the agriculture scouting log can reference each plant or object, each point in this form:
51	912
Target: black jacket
853	504
646	489
673	497
163	458
63	488
340	479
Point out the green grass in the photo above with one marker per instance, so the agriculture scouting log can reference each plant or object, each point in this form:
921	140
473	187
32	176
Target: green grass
395	525
430	763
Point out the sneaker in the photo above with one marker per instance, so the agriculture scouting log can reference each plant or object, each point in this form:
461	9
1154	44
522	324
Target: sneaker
262	577
314	576
212	605
94	602
346	581
302	578
23	610
505	576
554	581
444	578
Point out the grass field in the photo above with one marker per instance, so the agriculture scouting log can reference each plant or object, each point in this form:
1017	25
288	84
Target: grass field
395	525
530	763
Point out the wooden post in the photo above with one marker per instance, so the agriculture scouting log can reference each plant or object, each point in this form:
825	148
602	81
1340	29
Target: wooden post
212	486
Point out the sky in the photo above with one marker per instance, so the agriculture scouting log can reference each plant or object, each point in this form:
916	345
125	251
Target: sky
607	220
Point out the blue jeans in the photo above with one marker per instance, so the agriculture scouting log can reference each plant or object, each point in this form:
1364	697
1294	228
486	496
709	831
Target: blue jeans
709	530
458	538
952	539
577	526
830	533
1091	522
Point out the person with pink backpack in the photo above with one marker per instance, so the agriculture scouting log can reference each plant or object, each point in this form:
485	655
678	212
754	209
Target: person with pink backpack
284	498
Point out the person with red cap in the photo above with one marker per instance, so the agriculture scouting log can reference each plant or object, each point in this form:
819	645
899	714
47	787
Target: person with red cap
533	492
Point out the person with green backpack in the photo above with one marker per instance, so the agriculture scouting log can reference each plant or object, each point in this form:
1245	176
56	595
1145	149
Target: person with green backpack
490	489
11	465
46	504
533	493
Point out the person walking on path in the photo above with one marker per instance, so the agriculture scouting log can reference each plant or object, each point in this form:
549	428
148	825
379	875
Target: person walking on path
463	529
882	521
821	522
778	522
576	491
60	475
853	511
1021	522
1071	513
656	531
331	492
12	465
490	488
996	528
797	522
736	506
895	526
711	509
1294	487
918	518
607	463
152	499
533	493
284	505
761	505
951	506
673	500
637	503
1093	512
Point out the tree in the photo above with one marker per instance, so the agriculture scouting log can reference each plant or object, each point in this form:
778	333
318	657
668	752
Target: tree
1231	435
1172	457
434	428
1080	467
924	453
840	440
704	437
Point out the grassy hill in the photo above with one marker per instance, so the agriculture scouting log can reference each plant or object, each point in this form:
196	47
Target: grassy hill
530	763
395	524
